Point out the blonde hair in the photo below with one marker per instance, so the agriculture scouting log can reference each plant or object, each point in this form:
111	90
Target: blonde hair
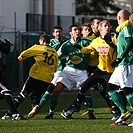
103	22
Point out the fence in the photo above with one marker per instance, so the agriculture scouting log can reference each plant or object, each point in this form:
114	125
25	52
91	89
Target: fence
16	72
45	23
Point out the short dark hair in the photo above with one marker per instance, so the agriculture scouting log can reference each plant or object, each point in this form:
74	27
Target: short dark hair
57	27
45	38
86	24
73	25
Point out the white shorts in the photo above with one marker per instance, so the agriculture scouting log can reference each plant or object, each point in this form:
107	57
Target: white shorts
122	76
69	76
56	76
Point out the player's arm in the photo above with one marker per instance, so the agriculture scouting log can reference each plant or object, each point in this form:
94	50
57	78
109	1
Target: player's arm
85	50
32	51
125	52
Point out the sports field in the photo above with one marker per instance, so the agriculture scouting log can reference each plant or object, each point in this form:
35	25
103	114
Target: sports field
79	124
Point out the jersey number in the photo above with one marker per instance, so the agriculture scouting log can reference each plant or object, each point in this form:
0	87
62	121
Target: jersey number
48	59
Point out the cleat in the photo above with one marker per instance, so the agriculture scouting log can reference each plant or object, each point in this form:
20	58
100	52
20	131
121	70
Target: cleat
125	122
92	116
66	115
7	116
34	111
123	117
131	124
85	113
74	109
49	116
115	117
114	124
18	117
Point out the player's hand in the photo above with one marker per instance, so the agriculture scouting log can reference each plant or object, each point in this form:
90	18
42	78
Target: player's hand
116	62
20	58
77	46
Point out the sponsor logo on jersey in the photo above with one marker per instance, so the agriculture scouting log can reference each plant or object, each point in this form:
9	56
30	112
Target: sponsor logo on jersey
103	50
76	60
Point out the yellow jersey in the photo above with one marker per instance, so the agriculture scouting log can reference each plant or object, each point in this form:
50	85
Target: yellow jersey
93	55
46	62
106	54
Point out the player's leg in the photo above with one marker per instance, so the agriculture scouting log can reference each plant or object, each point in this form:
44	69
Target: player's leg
89	104
116	97
57	89
40	88
26	90
122	76
90	82
10	101
52	106
129	96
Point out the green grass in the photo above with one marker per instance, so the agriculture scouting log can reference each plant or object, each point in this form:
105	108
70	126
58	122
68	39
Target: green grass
79	124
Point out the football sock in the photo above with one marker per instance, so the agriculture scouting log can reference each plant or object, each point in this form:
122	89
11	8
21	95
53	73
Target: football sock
106	97
130	99
9	100
123	97
89	102
112	106
44	99
52	105
116	97
70	105
80	98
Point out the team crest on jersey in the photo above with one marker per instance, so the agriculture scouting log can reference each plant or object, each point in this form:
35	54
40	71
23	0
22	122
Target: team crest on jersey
76	59
103	50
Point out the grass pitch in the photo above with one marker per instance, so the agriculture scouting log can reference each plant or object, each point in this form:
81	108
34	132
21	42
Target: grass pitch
79	124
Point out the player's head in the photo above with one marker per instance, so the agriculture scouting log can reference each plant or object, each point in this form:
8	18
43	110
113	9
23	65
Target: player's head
122	16
44	39
94	25
74	31
104	27
57	32
86	28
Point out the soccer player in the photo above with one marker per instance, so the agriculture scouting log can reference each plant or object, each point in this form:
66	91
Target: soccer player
56	42
75	69
91	33
5	89
85	29
94	32
58	39
123	73
41	73
107	54
91	67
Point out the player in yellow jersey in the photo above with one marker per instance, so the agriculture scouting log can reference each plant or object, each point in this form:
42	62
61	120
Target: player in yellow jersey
94	33
107	54
41	73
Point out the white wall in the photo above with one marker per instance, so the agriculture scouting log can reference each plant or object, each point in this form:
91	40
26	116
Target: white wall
7	12
64	7
8	8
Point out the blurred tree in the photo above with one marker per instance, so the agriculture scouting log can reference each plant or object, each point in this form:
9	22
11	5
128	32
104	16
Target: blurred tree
96	7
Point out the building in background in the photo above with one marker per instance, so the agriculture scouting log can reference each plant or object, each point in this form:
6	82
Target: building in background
13	13
22	21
